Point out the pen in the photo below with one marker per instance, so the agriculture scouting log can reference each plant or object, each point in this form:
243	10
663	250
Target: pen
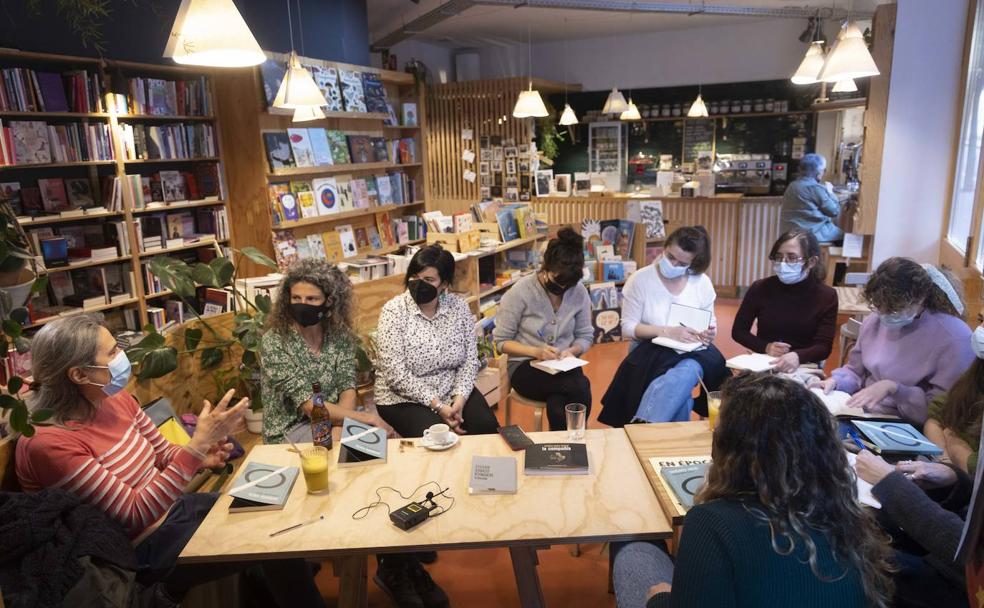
296	526
857	440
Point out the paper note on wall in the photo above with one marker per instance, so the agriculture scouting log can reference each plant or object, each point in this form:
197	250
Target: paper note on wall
469	175
466	134
852	245
468	156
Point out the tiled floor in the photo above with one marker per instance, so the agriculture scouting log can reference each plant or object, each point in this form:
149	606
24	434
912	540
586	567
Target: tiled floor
484	578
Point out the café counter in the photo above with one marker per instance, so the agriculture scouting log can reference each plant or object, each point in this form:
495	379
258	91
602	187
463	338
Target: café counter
742	229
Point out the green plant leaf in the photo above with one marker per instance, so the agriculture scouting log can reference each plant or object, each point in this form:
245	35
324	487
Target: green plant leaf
223	269
41	415
158	362
193	336
151	342
18	419
204	275
7	402
22	344
4	348
249	358
40	284
264	303
21	315
12	328
15	384
257	256
212	357
174	275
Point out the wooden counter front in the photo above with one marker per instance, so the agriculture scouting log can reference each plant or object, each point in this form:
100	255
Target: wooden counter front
742	229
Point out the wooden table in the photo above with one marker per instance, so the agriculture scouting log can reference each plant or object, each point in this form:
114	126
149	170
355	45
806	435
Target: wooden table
612	503
666	439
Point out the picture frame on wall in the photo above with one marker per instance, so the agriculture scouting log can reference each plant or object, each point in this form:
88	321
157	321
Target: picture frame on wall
483	168
544	181
562	184
510	166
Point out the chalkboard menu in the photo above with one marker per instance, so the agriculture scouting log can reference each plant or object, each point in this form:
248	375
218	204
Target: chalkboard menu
698	136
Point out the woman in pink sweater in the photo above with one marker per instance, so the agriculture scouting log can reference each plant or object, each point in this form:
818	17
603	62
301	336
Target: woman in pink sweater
105	450
913	349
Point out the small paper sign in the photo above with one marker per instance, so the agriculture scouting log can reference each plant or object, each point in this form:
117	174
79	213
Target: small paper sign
852	245
469	175
468	156
466	134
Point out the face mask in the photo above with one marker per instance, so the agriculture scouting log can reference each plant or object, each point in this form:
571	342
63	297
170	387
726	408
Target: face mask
119	374
422	292
307	314
897	319
555	288
789	273
670	271
977	342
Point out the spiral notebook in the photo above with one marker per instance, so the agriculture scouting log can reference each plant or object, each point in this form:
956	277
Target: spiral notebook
693	318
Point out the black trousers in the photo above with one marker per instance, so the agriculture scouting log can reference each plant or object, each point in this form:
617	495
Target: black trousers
410	419
557	390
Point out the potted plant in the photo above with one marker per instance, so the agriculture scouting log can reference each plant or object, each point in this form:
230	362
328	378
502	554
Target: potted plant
17	266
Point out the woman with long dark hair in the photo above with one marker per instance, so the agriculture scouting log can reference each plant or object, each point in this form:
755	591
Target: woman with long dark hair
777	522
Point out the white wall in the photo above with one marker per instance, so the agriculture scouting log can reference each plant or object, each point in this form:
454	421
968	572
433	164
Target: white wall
919	135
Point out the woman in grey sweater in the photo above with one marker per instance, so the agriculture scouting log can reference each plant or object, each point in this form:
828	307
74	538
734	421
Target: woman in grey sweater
546	316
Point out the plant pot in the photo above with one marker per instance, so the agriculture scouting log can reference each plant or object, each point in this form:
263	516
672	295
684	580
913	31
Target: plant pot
254	421
17	285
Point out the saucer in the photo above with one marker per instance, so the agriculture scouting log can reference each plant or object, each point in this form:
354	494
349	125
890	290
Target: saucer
440	447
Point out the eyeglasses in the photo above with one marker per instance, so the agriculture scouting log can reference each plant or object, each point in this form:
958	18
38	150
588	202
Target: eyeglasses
778	258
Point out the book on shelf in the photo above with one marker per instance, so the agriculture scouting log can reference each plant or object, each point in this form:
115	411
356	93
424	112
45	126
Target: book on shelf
53	195
391	120
320	147
347	238
492	475
156	97
168	141
353	94
27	90
380	151
409	114
272	72
372	191
346	198
361	444
360	193
278	150
360	149
408	151
326	77
385	227
556	459
308	204
284	247
339	147
374	93
156	316
384	188
262	487
326	196
300	145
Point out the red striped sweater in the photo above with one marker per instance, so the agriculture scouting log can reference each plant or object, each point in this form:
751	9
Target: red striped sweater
117	461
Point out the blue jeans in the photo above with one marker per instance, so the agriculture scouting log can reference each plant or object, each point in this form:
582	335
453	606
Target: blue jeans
668	398
636	567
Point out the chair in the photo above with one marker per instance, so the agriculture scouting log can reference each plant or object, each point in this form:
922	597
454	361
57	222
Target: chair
538	407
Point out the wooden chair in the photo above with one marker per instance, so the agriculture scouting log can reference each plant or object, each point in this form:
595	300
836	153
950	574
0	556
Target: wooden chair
538	407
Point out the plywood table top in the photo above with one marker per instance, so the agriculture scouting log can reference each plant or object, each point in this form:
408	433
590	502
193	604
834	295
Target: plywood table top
664	440
614	502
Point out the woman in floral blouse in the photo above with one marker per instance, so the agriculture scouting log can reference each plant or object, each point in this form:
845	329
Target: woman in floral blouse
310	340
428	359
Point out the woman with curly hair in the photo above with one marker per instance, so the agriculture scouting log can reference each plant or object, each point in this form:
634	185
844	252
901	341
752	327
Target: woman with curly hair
310	339
913	349
777	522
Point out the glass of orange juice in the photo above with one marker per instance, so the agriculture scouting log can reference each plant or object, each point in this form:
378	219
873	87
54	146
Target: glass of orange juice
713	408
314	464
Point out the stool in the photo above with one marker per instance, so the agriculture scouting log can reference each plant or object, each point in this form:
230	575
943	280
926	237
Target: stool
849	332
538	407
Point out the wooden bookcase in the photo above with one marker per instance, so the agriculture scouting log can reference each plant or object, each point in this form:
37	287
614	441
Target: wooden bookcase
245	117
109	71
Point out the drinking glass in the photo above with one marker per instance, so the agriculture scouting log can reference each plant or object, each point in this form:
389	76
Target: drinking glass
314	464
577	415
713	408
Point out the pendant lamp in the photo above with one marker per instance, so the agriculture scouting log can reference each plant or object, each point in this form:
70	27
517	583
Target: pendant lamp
631	112
306	113
568	117
615	104
849	57
809	69
845	86
298	88
529	104
698	109
212	33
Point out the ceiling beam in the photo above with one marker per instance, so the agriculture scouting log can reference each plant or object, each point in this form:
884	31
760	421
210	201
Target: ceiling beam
422	23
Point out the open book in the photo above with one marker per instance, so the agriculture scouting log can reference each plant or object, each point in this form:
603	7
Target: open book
836	402
696	319
556	366
753	362
865	496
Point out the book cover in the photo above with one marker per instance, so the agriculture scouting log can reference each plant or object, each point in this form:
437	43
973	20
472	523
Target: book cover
31	144
285	247
274	192
301	147
607	325
374	94
401	231
396	187
372	192
317	245
326	77
320	146
374	240
288	203
307	204
624	239
408	151
556	459
174	186
409	114
346	200
353	95
272	73
361	444
326	195
683	481
346	238
360	148
360	193
52	92
612	271
385	190
265	484
279	153
507	225
385	229
54	251
380	153
339	147
333	246
11	192
361	238
897	437
53	195
493	475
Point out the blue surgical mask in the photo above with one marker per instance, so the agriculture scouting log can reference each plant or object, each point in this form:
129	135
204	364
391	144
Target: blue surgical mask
977	342
789	272
897	320
119	372
670	271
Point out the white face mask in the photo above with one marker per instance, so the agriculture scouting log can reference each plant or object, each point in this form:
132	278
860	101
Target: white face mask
977	341
670	271
789	272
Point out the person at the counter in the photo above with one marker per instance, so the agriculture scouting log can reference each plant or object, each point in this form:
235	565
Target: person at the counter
809	204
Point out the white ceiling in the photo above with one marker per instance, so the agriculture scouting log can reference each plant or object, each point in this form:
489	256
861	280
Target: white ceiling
492	26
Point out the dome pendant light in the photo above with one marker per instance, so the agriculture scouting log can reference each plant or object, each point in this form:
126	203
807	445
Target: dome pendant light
808	71
845	86
849	57
615	104
698	109
212	33
306	113
567	117
298	88
631	112
529	104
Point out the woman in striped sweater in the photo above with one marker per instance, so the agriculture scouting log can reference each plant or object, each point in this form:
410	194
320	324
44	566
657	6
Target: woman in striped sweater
104	449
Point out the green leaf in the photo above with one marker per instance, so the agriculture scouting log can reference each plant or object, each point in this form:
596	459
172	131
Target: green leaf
22	345
41	415
7	402
4	348
40	284
223	269
204	275
21	315
249	358
15	384
158	362
151	342
174	275
193	336
264	303
212	357
18	419
12	328
258	257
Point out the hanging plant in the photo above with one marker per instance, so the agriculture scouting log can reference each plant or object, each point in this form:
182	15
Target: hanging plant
548	137
86	17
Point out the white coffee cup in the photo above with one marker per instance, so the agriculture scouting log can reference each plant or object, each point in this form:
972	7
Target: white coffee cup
438	434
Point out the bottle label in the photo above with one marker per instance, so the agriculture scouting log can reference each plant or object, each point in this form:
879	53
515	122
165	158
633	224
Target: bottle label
321	431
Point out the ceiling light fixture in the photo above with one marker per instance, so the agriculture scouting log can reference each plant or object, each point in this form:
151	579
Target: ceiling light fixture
615	104
529	104
849	57
567	117
808	71
306	113
698	109
845	86
298	88
631	111
212	33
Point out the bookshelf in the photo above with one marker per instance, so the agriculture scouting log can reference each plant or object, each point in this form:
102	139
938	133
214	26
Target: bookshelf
105	83
246	117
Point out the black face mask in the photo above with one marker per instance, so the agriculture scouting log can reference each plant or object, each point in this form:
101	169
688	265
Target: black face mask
422	292
307	314
555	288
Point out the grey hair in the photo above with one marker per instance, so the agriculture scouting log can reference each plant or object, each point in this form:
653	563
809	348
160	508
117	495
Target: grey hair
809	165
56	348
333	283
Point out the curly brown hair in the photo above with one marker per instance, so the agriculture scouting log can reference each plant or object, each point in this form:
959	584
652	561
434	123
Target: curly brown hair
776	449
899	282
332	282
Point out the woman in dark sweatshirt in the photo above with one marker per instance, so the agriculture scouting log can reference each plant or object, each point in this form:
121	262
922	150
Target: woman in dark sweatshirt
777	523
795	310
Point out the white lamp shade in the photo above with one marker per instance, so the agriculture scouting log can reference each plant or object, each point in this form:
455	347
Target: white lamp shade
298	88
849	57
307	113
568	117
808	71
615	104
698	109
845	86
529	104
212	33
631	113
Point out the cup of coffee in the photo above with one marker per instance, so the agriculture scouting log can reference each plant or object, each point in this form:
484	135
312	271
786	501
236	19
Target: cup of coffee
438	434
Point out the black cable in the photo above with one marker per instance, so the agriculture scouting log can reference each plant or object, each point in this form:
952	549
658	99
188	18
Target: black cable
429	498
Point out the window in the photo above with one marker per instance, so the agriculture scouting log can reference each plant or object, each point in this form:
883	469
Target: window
969	152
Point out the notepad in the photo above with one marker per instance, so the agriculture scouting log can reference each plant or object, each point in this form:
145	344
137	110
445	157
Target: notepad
836	402
752	362
696	319
865	496
556	366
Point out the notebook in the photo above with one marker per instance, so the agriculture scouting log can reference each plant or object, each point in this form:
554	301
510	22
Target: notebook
556	366
697	319
492	475
836	402
865	496
896	437
752	362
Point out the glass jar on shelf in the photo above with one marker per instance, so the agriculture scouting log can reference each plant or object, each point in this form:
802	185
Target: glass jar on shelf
746	106
666	111
759	105
770	105
677	109
736	106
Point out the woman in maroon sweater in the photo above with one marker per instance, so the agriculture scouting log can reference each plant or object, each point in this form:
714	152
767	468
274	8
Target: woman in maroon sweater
795	310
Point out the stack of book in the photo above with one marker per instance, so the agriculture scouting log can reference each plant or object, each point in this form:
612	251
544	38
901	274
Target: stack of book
30	142
170	141
26	90
158	97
